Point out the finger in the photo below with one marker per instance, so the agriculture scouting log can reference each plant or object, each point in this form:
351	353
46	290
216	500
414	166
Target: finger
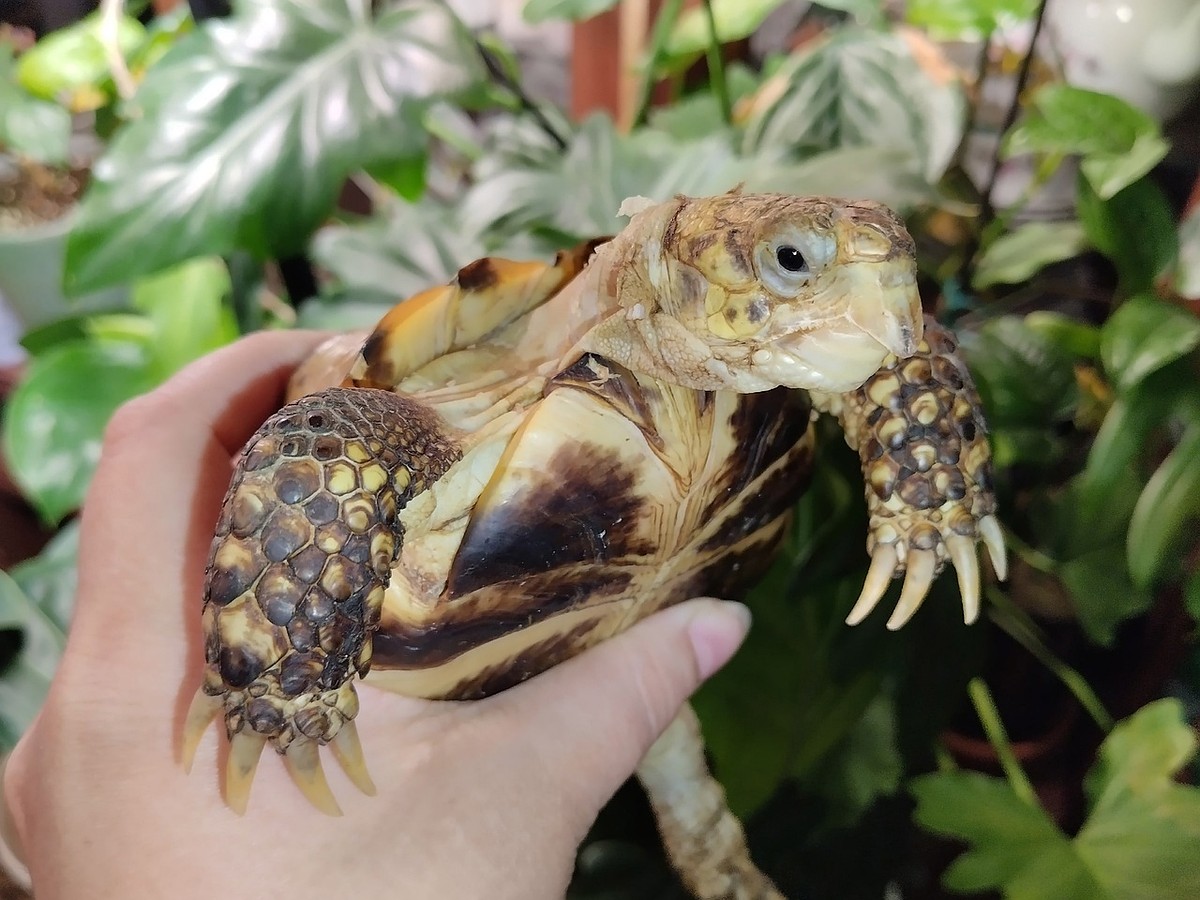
596	715
163	469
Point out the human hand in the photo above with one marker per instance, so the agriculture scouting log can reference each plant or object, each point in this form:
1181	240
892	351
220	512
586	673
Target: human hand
482	799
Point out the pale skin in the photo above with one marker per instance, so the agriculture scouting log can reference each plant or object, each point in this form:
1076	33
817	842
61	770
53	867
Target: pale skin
484	799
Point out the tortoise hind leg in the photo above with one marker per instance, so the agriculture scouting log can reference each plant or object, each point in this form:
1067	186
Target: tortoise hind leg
704	840
302	556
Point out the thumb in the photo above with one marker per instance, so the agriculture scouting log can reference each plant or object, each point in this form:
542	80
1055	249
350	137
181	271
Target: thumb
594	717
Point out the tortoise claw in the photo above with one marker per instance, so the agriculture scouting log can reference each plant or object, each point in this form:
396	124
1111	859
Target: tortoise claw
966	564
993	539
245	748
922	566
347	750
879	576
203	710
303	760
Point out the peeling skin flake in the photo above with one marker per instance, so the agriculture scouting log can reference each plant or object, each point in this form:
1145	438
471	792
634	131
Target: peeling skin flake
631	206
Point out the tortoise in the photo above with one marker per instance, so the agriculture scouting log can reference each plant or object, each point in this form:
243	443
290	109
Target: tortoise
531	458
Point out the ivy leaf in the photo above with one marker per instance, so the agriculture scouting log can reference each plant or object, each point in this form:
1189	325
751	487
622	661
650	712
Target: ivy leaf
1142	336
1118	142
542	10
1139	840
25	681
250	125
1016	256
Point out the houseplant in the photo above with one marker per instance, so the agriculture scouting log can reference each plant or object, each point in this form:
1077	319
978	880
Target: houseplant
815	728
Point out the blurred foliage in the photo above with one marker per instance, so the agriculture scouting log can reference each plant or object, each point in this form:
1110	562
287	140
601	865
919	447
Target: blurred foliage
241	137
1139	840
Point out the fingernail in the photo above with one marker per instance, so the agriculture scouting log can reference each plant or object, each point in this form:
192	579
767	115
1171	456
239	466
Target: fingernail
716	631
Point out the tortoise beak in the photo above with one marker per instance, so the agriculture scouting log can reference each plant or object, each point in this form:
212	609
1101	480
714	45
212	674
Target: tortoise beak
885	304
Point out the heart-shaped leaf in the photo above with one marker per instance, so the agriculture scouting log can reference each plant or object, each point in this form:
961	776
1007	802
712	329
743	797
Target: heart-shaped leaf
250	124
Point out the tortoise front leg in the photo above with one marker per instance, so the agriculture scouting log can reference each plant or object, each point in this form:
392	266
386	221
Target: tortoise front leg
704	840
302	556
919	431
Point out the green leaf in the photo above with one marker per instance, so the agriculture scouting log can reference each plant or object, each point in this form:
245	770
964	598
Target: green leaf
735	19
404	176
1104	595
542	10
25	681
30	126
1124	436
1144	828
1070	335
1170	502
967	18
50	579
1018	255
858	88
1007	835
251	124
72	58
403	249
1191	595
1024	377
1142	336
189	313
54	420
1118	142
1135	229
1139	840
865	767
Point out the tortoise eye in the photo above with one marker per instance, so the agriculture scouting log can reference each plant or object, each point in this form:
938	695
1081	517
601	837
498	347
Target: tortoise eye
790	259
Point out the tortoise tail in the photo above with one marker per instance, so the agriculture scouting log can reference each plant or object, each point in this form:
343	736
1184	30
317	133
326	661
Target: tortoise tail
303	553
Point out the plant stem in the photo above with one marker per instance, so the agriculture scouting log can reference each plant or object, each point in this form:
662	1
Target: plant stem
989	717
987	208
1012	620
663	24
501	77
716	66
110	39
1010	117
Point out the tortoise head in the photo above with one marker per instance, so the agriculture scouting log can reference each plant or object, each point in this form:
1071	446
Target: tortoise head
754	291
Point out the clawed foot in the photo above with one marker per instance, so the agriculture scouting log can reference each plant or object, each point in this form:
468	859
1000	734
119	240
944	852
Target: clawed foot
301	756
920	564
